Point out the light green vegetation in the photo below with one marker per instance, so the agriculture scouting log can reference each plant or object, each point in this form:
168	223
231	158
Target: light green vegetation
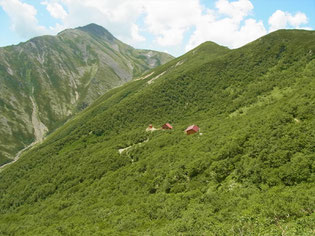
62	74
251	172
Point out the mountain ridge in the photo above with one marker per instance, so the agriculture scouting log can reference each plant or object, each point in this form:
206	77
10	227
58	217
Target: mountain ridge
57	76
97	30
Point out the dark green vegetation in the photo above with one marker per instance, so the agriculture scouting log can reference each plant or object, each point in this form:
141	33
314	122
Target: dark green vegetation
251	172
48	79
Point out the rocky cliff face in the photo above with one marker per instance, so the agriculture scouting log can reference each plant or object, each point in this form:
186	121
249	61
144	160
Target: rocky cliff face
47	79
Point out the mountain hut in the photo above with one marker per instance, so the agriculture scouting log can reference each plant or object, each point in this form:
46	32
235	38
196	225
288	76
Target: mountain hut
192	129
167	126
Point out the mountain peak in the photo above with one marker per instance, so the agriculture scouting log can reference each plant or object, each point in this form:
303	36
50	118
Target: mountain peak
97	30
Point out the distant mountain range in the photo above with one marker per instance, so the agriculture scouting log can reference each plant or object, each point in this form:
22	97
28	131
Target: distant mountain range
249	170
48	79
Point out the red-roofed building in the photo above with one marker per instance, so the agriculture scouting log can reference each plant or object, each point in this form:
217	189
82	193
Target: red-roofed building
167	126
192	129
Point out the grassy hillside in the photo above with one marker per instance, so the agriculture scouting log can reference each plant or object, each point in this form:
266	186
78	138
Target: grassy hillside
249	171
48	79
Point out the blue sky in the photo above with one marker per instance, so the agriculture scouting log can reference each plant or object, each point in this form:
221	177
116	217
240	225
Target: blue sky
173	26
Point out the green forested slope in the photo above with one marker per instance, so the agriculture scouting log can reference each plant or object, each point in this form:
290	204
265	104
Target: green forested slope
250	170
48	79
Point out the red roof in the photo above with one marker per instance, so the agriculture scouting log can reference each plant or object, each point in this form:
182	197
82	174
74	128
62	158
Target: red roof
192	127
167	125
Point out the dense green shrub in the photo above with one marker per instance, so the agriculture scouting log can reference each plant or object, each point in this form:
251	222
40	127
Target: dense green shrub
249	171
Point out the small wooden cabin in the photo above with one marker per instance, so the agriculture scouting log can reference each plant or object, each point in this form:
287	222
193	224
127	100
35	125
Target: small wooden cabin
167	126
192	129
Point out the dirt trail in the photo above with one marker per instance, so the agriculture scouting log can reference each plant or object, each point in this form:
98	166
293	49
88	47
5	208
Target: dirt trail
156	77
17	157
126	148
144	77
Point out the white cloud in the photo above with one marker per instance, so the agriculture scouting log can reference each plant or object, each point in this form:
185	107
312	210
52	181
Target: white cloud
55	9
250	31
226	32
23	18
282	20
57	28
226	26
235	10
169	20
165	23
118	16
136	37
298	19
